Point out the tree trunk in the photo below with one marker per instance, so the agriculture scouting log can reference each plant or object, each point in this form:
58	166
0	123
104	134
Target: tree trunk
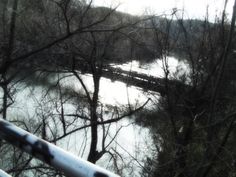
93	154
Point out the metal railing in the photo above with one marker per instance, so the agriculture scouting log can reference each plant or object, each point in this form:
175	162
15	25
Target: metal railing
54	156
4	174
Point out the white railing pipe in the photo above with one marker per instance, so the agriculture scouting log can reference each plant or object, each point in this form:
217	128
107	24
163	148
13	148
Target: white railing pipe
56	157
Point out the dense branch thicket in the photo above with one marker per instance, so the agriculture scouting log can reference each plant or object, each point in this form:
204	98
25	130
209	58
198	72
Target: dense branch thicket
194	129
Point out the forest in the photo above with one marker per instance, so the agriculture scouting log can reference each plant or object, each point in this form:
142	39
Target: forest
49	49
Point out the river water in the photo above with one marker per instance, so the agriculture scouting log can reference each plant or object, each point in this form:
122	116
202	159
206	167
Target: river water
132	144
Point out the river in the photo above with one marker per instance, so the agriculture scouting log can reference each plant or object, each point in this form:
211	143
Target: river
133	143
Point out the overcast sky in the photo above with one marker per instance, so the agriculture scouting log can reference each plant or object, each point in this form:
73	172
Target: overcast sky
193	8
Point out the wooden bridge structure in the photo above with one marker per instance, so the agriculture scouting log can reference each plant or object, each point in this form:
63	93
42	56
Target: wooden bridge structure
133	78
